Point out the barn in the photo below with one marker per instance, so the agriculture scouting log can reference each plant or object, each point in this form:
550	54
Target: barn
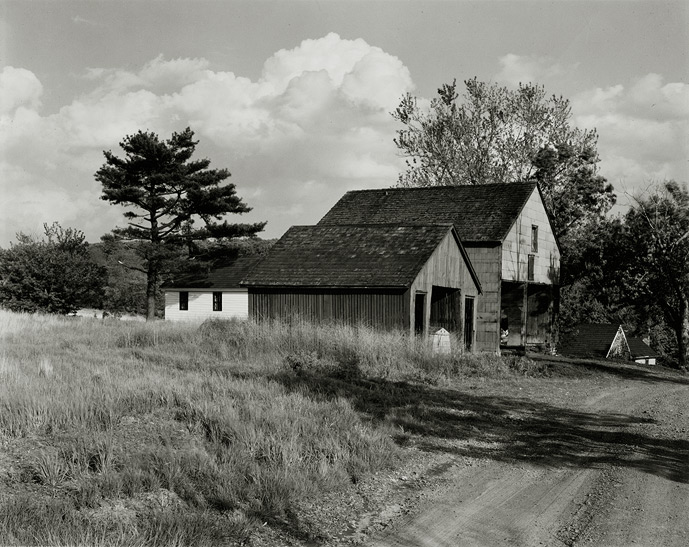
508	237
410	277
216	294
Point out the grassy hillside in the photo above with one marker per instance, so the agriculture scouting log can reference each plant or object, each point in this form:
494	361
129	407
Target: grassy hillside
114	433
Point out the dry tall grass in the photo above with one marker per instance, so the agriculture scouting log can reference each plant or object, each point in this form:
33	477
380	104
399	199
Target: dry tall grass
165	433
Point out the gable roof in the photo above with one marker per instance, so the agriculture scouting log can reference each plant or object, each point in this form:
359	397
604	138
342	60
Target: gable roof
350	256
480	213
639	348
225	277
589	340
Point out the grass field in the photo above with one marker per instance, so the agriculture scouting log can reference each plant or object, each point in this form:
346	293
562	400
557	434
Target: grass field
115	433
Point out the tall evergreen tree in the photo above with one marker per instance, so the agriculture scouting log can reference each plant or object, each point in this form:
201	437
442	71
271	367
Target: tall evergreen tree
172	200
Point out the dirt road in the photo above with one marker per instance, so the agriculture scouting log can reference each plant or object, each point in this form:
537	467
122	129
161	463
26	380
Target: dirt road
609	467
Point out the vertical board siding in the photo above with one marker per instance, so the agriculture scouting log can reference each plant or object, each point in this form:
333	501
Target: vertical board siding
445	269
376	308
235	305
540	307
517	247
486	262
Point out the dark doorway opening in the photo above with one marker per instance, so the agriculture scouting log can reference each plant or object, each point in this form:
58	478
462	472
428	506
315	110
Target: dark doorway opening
469	323
527	312
419	312
446	309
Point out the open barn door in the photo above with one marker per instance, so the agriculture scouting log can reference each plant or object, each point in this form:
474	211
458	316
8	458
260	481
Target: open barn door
469	323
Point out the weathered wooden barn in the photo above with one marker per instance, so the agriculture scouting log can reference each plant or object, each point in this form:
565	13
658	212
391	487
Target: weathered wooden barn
415	278
216	294
508	237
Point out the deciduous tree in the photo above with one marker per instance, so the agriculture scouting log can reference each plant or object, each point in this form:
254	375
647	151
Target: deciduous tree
53	274
499	135
172	200
656	271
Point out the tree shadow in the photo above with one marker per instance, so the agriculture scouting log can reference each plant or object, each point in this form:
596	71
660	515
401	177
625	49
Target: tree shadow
502	428
622	369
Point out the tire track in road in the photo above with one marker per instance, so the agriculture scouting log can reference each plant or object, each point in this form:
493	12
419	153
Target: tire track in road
648	505
527	504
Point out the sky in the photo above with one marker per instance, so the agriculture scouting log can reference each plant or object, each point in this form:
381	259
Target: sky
294	97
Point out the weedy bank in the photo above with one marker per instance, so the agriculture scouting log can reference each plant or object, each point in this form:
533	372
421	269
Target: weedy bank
113	433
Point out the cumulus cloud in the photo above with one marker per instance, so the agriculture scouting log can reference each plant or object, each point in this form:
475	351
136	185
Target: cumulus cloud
19	87
314	125
643	125
643	129
158	75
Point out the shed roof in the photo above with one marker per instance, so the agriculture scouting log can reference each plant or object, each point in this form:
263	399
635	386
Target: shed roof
589	340
224	277
480	213
349	256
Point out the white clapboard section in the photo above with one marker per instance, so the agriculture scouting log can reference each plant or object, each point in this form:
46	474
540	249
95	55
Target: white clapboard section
235	304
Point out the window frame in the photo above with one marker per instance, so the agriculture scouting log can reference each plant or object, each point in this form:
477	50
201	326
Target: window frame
531	268
183	300
217	300
534	238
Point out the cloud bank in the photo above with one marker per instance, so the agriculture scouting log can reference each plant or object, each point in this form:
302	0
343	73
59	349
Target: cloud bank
643	125
315	124
643	130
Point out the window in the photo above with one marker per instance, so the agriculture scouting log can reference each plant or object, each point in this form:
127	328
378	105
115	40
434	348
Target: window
217	301
534	239
532	265
184	301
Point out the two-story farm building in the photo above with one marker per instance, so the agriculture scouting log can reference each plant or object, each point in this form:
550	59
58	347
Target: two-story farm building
508	237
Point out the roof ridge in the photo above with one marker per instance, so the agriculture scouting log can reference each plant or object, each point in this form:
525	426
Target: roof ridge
444	186
376	225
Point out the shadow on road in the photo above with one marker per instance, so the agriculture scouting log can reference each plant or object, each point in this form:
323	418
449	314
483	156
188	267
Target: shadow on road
505	428
622	369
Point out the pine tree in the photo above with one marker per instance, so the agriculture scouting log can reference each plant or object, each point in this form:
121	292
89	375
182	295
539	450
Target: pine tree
172	200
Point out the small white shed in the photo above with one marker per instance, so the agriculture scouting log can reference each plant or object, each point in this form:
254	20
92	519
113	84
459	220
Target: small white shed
216	295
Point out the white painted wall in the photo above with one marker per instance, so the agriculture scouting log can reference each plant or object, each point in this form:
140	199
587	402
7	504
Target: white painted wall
235	304
517	246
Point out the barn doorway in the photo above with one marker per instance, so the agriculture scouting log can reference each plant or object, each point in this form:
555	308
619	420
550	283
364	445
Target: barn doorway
469	323
419	312
446	309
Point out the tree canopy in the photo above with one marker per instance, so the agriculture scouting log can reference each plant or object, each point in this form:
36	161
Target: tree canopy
172	201
499	135
53	274
657	266
634	270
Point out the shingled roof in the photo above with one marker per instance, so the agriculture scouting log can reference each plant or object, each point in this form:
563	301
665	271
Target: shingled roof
225	277
480	213
639	348
348	256
589	340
